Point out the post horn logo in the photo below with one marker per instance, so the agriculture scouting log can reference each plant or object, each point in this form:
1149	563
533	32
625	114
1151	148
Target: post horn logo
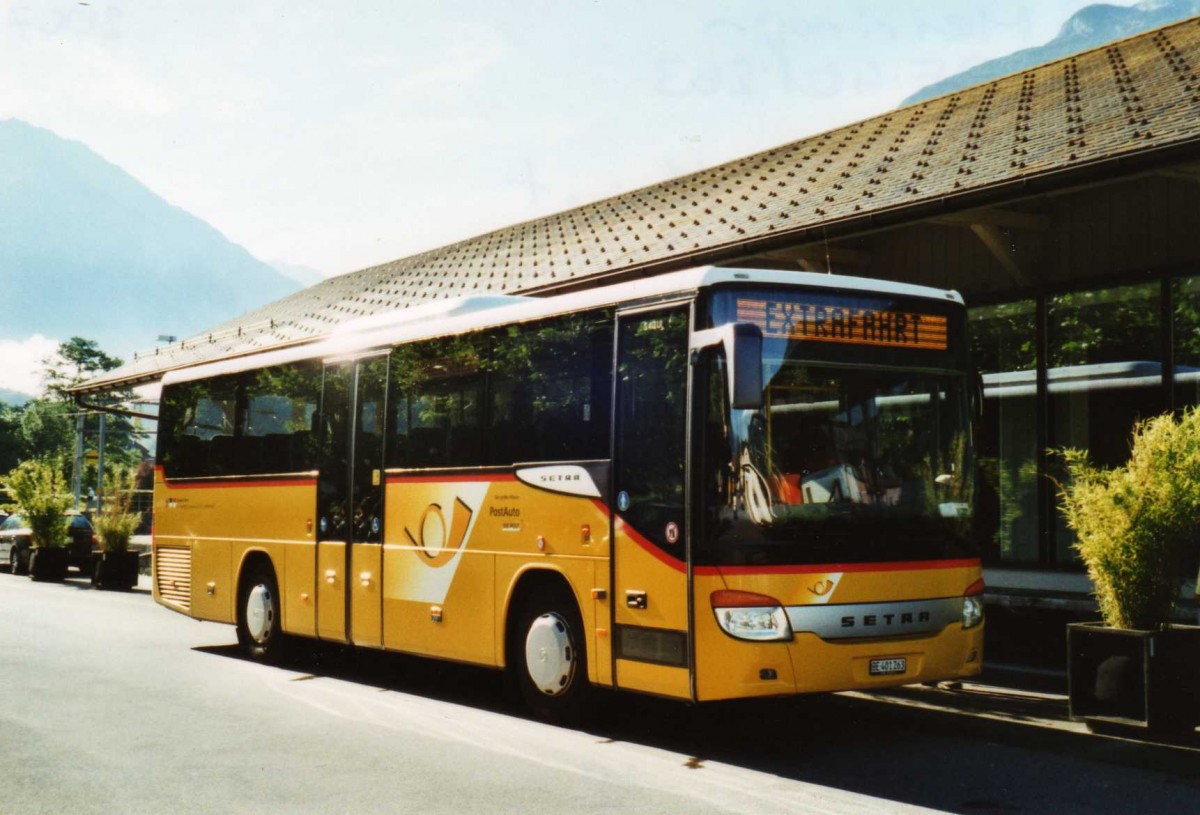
431	539
821	587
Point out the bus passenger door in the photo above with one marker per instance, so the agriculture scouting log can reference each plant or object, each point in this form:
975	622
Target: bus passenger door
350	502
651	642
366	505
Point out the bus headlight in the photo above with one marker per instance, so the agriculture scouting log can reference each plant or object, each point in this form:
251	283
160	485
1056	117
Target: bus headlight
749	616
972	614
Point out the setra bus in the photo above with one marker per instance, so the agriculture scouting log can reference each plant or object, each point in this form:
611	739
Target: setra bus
710	484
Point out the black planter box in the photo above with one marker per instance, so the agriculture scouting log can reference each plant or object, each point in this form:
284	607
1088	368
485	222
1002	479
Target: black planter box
49	564
115	570
1140	679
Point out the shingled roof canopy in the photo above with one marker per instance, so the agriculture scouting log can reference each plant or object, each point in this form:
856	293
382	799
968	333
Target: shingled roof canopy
1131	105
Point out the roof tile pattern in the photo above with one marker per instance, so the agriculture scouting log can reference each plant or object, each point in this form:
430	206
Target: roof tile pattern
1126	98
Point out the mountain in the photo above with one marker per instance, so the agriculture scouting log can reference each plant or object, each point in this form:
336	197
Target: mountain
304	275
87	250
8	397
1087	28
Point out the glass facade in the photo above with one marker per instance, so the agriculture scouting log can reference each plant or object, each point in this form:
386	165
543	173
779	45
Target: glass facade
1104	359
1004	351
1072	370
1185	322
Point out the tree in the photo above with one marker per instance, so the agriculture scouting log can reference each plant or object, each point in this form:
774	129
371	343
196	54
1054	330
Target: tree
11	447
44	428
75	361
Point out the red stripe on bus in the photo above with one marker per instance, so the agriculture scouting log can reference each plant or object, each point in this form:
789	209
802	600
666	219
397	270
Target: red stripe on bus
220	483
450	479
623	526
800	568
650	548
825	568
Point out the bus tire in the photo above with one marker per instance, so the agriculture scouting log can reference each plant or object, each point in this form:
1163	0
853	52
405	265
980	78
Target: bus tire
14	560
259	619
547	658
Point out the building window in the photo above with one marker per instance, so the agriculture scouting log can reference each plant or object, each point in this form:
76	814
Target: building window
1004	350
1185	297
1104	373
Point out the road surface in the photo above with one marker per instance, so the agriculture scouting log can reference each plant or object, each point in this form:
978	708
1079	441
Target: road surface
112	704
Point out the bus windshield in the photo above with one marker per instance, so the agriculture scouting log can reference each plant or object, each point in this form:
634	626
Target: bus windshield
843	463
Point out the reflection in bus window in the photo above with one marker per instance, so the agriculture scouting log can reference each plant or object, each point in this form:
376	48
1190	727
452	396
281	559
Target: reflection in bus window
844	461
651	424
530	392
201	420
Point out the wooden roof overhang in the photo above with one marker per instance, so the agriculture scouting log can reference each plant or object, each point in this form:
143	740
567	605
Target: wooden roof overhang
1115	111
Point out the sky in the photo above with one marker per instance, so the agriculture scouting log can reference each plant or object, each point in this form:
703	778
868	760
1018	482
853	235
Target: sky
341	135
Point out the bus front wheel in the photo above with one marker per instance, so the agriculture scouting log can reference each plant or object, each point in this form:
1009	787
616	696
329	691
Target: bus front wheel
547	658
259	624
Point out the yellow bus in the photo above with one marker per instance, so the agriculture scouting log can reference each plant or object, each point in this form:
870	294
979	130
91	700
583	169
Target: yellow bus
711	484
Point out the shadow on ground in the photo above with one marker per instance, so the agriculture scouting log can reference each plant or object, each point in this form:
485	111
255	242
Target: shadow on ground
928	747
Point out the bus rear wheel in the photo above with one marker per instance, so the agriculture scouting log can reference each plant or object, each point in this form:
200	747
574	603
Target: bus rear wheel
547	659
260	623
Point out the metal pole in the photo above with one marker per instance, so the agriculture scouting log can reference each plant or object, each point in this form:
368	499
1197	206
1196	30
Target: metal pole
77	473
100	467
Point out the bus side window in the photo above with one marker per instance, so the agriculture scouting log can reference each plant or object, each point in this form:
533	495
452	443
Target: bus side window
435	414
200	420
278	408
549	390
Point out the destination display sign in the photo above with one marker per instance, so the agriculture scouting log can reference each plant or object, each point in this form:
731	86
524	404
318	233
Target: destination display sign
844	323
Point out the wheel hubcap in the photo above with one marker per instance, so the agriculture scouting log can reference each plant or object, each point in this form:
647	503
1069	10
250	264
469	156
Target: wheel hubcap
549	654
260	613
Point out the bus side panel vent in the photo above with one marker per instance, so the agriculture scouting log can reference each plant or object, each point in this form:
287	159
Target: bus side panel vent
174	575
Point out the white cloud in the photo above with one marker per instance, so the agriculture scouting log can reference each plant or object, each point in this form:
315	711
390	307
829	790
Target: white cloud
80	83
457	68
21	363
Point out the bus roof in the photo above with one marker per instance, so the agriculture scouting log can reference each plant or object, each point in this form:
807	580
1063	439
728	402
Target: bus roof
462	314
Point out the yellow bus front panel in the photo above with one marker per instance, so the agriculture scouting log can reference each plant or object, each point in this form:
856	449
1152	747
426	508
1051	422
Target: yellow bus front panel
869	630
651	611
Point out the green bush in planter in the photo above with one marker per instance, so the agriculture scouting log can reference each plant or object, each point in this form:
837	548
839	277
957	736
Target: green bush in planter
1137	525
116	522
39	494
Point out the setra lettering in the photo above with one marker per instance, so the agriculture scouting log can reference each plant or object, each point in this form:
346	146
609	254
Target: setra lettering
889	619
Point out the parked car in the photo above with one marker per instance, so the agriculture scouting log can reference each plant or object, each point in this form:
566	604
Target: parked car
16	541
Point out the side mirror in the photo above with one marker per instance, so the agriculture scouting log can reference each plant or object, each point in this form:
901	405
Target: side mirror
742	343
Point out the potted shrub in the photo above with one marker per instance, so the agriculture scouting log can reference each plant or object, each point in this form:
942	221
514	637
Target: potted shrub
1137	528
115	566
39	493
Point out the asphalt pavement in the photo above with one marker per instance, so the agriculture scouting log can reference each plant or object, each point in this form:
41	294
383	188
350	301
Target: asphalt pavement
110	703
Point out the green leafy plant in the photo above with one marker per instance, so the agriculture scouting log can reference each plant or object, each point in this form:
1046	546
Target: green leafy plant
1137	525
39	493
116	521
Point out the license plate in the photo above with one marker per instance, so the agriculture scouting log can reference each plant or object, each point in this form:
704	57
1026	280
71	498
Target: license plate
886	667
